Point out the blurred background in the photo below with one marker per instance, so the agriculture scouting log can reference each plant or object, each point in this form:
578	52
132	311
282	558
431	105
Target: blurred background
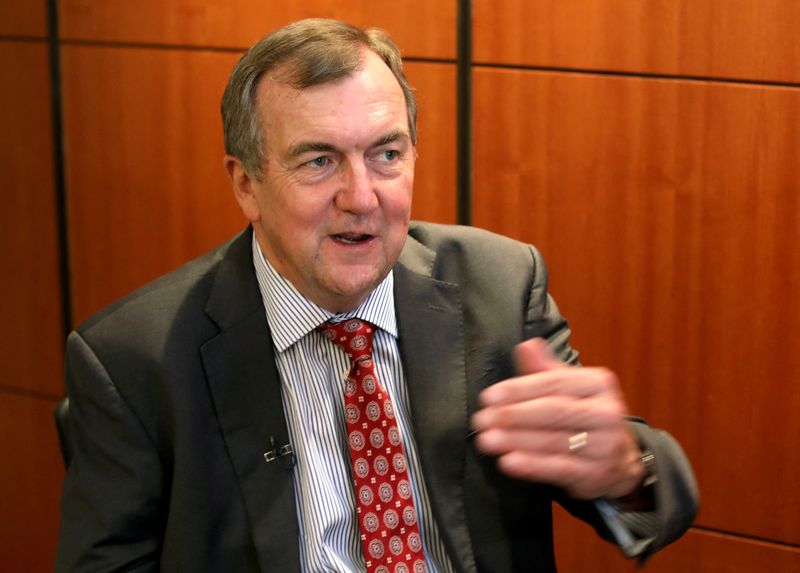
650	149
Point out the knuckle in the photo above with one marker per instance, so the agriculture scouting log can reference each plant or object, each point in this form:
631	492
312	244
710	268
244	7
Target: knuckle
610	412
606	379
615	409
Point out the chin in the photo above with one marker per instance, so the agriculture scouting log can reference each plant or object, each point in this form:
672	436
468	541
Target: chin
358	289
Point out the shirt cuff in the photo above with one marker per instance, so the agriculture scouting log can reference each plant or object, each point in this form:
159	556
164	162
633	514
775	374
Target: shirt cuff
632	530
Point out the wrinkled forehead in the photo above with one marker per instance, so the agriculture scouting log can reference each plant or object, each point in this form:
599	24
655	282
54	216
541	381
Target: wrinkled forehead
370	93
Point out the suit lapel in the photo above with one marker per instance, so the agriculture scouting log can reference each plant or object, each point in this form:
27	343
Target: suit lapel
245	388
431	326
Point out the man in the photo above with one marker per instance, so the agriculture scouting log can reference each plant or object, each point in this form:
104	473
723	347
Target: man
218	412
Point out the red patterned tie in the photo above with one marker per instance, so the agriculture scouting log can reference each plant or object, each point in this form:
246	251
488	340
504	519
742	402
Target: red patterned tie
386	515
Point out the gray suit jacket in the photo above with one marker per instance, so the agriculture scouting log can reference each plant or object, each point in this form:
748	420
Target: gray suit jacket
175	395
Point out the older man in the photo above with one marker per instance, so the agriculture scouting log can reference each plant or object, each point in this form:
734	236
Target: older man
333	389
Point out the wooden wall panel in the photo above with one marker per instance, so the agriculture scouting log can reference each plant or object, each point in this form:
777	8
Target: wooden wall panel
30	479
668	212
424	29
146	186
23	18
31	339
752	39
435	178
579	550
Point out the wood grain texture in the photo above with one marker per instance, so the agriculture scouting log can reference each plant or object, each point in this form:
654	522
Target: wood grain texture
23	18
668	213
30	479
435	178
31	338
749	39
579	550
147	190
421	28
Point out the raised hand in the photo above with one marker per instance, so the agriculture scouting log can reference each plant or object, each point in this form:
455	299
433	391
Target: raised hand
561	425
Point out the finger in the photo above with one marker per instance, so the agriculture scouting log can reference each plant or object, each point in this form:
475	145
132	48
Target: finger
575	382
552	413
606	445
534	356
497	441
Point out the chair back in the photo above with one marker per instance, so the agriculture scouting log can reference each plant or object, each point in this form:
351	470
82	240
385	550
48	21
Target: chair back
61	414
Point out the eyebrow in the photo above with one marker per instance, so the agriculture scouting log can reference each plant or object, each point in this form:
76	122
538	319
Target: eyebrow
390	138
308	147
319	146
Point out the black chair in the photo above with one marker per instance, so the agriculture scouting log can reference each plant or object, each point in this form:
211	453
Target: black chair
61	414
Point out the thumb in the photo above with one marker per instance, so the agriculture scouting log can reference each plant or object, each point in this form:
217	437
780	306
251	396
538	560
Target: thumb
534	356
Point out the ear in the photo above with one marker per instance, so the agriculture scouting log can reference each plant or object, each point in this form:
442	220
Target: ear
244	188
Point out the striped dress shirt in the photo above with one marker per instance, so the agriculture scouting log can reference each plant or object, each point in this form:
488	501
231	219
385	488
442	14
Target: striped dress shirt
312	372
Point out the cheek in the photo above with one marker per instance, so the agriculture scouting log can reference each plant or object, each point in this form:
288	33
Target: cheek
296	214
397	214
398	205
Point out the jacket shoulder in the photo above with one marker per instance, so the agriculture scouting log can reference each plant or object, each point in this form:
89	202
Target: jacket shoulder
156	305
455	251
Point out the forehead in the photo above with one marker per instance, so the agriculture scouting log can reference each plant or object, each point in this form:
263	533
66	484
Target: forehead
367	101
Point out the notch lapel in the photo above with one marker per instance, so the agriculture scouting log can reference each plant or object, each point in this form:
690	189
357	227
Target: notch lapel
431	340
245	387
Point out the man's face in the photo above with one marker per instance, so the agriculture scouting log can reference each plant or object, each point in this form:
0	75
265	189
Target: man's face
331	212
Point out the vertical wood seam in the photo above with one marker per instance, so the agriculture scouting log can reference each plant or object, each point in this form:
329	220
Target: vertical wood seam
464	113
59	166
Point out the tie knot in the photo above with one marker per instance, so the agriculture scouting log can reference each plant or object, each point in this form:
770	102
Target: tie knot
354	336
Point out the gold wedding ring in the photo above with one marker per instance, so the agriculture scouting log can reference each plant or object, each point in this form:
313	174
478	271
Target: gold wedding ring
577	442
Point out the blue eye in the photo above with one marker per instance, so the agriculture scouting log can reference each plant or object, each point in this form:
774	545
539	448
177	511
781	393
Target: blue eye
321	161
391	154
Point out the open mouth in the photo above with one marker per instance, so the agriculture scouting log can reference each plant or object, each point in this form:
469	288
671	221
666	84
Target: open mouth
351	238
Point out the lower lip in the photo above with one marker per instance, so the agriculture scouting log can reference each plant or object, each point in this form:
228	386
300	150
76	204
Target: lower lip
355	245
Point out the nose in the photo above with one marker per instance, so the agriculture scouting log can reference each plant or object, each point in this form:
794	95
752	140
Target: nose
357	193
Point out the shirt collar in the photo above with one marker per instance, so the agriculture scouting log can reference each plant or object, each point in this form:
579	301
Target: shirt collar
291	315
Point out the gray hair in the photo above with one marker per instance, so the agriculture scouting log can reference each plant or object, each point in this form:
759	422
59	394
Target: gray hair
310	52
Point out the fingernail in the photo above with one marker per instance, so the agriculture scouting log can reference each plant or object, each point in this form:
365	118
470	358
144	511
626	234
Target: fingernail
480	419
489	397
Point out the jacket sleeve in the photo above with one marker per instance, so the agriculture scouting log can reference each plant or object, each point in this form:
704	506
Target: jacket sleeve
111	508
676	492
